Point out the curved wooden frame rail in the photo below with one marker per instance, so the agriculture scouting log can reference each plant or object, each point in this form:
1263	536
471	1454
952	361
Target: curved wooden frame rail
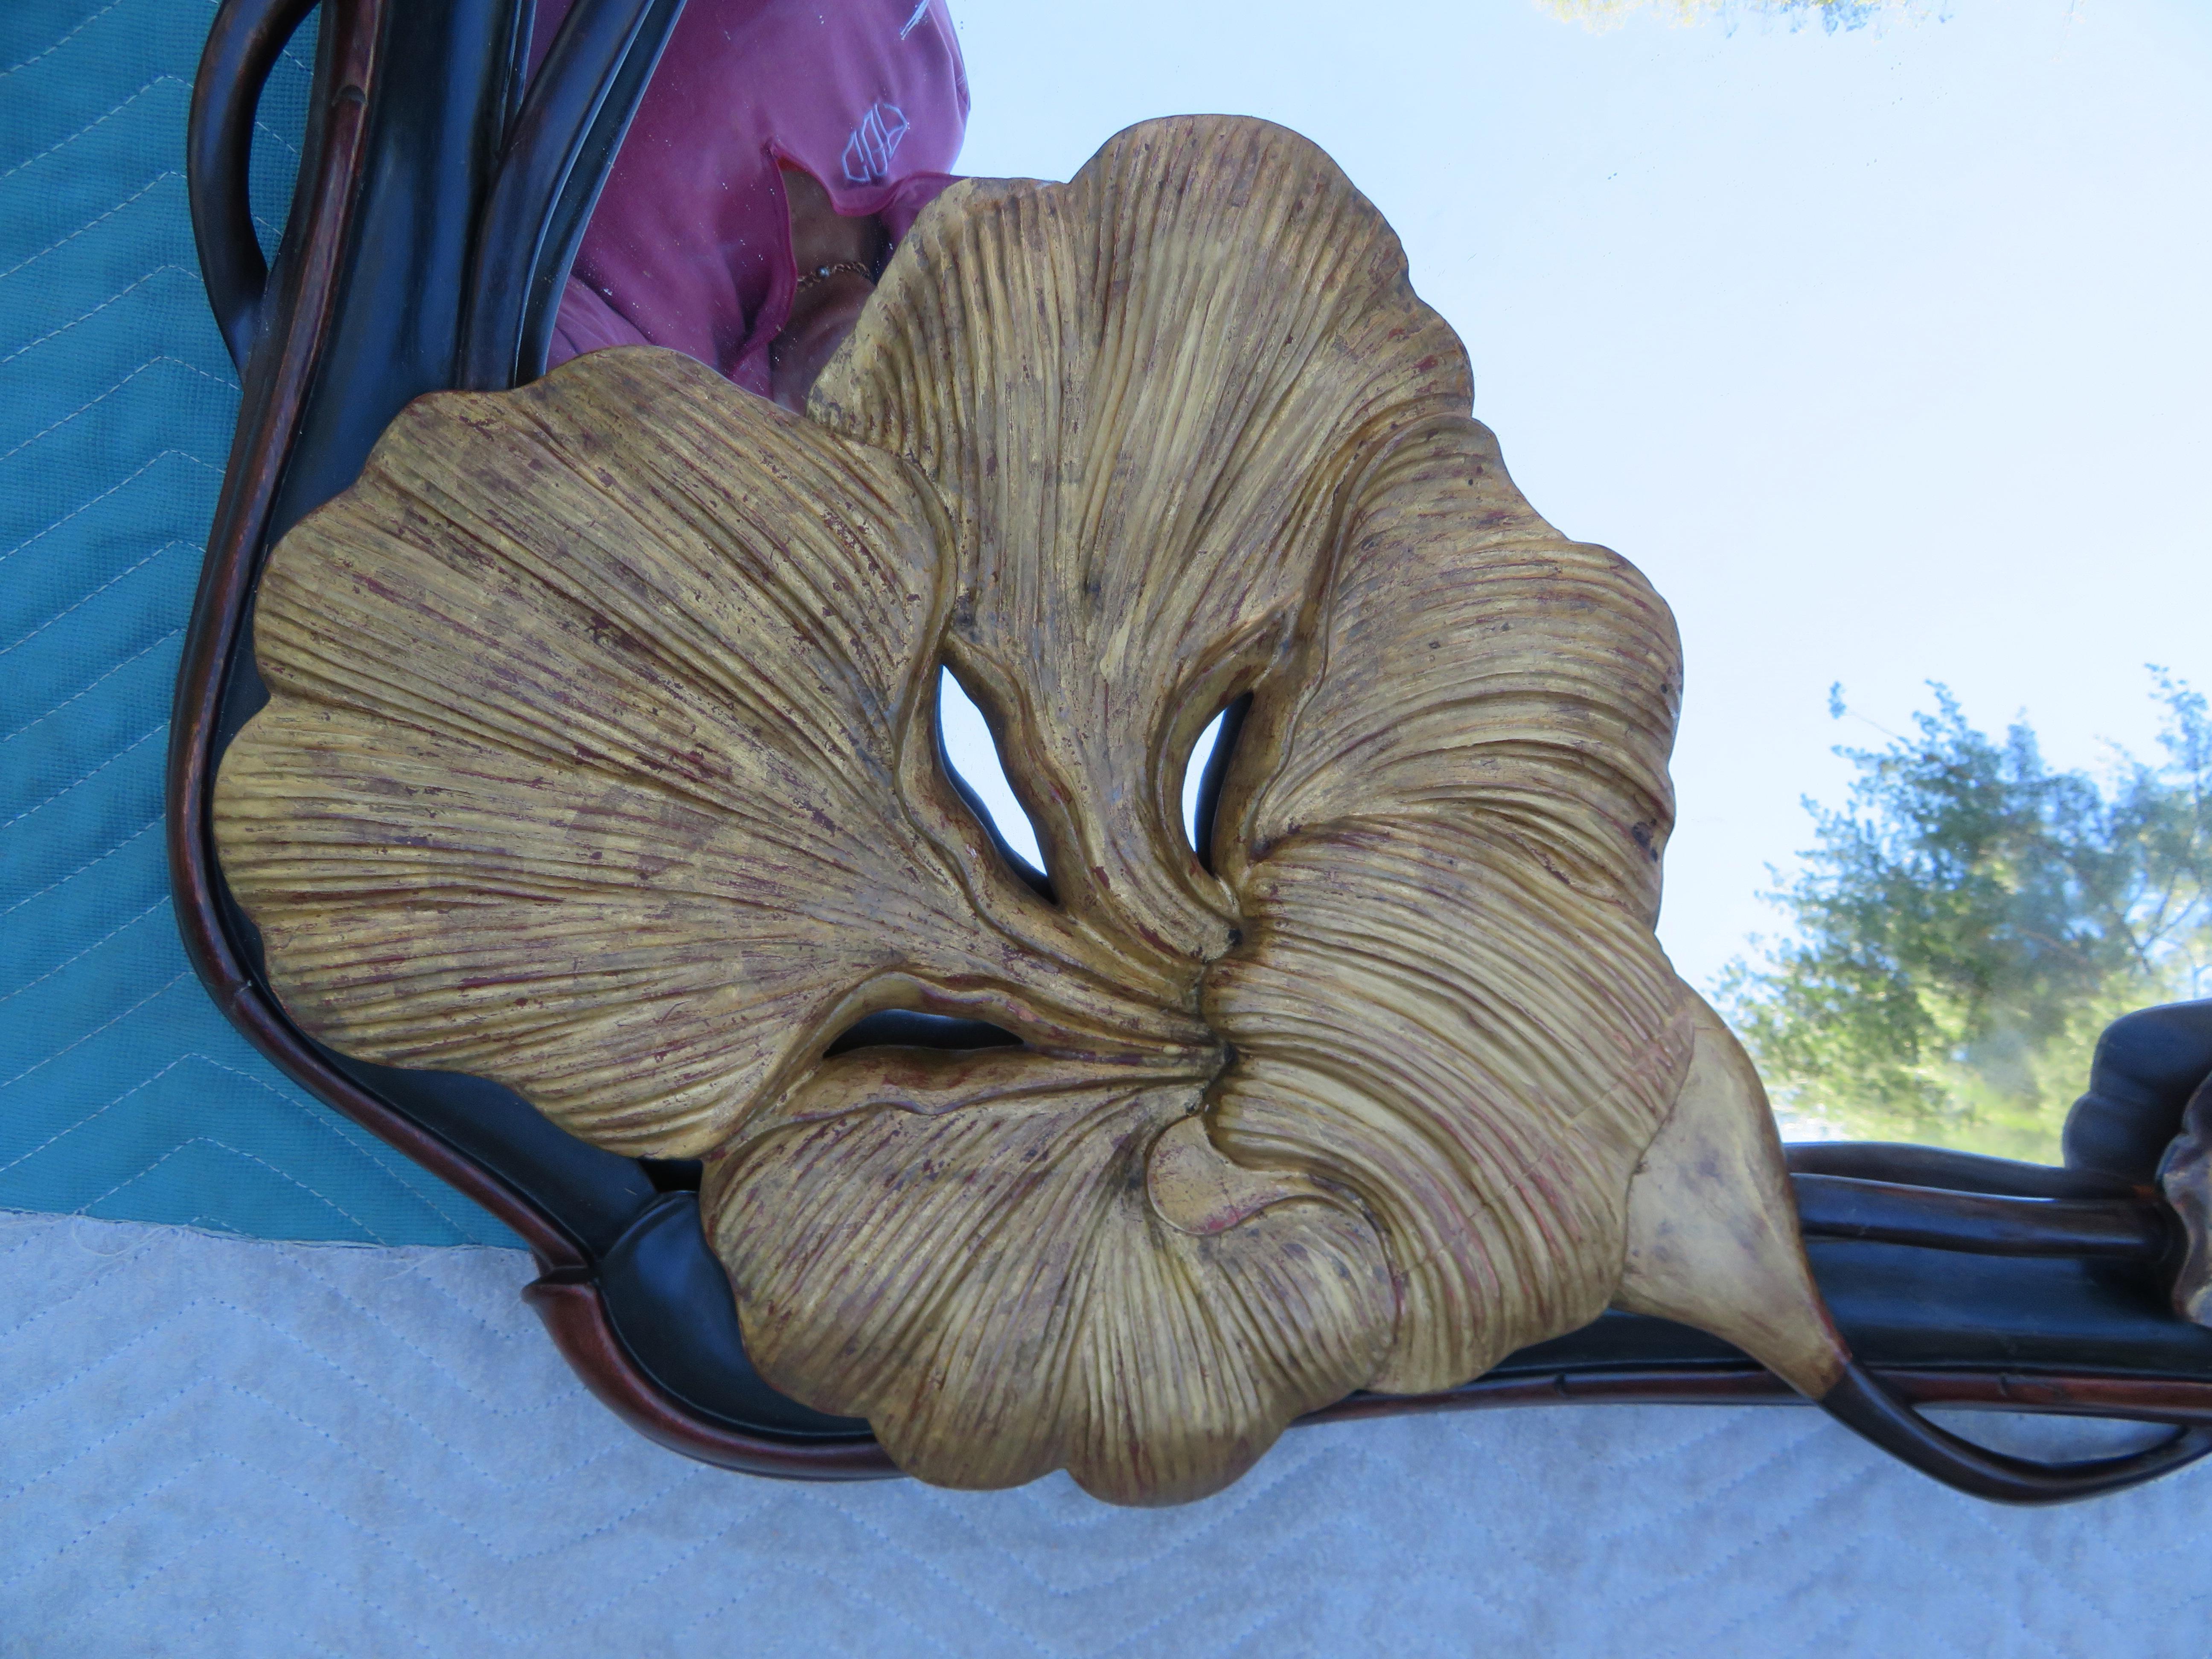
437	208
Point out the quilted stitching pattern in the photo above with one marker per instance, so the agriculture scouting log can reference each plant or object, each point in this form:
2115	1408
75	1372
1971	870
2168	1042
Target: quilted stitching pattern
210	1446
225	1447
123	1093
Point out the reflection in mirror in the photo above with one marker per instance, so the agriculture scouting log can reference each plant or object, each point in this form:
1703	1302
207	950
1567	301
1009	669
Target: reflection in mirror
911	1027
1967	923
1872	334
1194	786
971	756
1677	204
780	151
1208	772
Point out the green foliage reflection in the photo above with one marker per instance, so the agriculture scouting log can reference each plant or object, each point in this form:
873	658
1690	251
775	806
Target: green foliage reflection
1966	924
1601	14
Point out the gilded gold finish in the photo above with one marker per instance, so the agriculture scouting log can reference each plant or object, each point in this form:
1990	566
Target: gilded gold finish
602	761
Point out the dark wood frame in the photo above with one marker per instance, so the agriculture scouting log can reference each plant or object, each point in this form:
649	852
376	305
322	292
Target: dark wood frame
524	177
278	324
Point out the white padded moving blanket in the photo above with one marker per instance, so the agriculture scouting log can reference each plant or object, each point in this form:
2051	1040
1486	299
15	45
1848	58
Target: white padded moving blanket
212	1445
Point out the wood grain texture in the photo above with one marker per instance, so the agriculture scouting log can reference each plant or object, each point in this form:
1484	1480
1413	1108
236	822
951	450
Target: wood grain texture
602	761
582	768
1142	396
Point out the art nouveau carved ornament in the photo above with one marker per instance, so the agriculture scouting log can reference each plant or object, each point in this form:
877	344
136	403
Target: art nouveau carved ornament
602	760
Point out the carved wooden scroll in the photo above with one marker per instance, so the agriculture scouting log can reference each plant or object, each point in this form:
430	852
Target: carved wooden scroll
602	760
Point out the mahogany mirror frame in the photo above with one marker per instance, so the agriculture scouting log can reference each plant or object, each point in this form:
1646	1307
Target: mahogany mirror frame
438	205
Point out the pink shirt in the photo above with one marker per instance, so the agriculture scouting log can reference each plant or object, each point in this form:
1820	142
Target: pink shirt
690	246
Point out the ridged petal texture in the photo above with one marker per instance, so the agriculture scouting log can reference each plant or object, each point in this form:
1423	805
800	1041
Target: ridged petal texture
580	769
1446	835
1141	395
602	761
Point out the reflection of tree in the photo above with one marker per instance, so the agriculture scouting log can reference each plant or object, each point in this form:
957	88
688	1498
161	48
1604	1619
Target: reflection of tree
1834	14
1967	923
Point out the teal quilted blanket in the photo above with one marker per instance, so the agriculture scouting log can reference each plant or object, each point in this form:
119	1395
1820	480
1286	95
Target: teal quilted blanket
122	1092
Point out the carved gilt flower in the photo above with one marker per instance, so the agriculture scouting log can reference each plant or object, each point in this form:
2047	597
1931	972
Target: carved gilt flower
602	760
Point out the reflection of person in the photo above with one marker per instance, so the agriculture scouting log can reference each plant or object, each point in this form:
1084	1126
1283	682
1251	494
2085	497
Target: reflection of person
781	149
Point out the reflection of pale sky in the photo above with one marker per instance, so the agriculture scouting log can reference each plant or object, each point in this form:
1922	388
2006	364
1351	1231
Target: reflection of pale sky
1885	353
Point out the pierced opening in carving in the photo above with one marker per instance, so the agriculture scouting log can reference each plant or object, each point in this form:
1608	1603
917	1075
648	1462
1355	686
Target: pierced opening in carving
970	755
1204	773
673	1175
910	1028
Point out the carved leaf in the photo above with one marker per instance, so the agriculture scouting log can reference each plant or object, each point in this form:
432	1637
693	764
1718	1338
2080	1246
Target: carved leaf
1010	1267
1201	353
1140	395
1446	833
583	770
602	761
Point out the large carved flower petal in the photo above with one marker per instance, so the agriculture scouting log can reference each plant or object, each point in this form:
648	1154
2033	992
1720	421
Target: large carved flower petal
602	762
1442	851
590	763
1446	832
1140	394
1010	1267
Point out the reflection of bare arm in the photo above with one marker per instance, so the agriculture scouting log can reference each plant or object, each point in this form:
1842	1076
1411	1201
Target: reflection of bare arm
825	307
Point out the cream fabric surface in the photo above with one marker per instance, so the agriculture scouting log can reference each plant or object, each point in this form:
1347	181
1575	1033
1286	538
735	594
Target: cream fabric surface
213	1445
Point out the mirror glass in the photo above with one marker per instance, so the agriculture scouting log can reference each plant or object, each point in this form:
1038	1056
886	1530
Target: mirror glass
1874	333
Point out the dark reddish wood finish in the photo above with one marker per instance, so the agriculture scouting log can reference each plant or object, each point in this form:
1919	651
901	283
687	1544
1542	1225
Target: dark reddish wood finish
2177	1400
577	1316
296	320
2136	1228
